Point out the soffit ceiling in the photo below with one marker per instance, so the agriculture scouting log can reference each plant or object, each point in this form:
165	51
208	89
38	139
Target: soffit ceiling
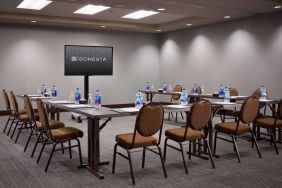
177	14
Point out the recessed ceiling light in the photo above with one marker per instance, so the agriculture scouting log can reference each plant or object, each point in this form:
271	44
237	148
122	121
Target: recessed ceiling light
227	17
277	6
33	21
189	24
159	30
140	14
91	9
161	9
103	26
34	4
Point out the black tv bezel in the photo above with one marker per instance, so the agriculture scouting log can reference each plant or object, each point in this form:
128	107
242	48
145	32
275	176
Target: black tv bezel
88	74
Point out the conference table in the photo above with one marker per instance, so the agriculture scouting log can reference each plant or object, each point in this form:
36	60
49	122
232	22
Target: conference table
95	124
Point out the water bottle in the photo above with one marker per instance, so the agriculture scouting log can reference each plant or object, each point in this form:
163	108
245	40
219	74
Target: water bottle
263	94
221	91
147	87
54	92
202	89
165	88
226	95
141	98
77	96
152	87
195	89
184	97
43	89
90	100
98	99
71	98
138	100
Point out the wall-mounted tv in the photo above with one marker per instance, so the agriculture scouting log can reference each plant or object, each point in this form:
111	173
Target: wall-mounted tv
88	60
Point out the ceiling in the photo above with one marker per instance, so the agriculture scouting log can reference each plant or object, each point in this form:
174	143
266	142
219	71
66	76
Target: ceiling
178	13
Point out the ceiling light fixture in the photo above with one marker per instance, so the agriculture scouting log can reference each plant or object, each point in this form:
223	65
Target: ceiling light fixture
140	14
159	30
161	9
227	17
91	9
188	24
33	21
34	4
103	26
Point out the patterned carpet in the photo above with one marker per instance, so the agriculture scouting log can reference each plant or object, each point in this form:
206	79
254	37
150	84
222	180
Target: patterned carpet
17	169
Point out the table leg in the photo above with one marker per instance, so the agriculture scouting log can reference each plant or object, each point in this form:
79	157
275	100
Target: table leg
94	147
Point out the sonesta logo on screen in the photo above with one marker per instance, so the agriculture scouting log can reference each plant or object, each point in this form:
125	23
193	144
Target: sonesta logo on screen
83	59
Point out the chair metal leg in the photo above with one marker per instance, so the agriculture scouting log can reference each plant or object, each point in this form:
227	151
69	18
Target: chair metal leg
62	145
40	154
214	143
131	168
70	149
165	145
143	157
236	148
183	158
209	150
13	121
28	140
19	132
176	115
190	146
182	115
50	157
274	143
7	123
162	161
79	152
114	158
15	128
36	143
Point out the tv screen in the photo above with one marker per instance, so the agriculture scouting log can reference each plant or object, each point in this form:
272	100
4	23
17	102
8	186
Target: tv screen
88	60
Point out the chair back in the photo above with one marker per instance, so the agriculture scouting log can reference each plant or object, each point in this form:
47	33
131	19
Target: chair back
199	90
29	109
14	102
6	100
249	110
256	93
200	114
233	91
43	116
279	110
149	121
177	88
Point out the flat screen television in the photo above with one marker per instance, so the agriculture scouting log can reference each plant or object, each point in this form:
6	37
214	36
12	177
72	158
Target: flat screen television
88	60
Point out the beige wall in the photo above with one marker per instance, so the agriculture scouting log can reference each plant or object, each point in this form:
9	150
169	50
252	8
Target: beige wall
242	53
31	56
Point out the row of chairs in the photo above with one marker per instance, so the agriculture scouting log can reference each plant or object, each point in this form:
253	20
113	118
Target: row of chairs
45	130
148	123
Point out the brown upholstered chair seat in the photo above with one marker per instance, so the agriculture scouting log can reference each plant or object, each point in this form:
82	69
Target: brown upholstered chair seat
24	118
228	112
66	133
125	140
53	124
268	122
230	128
20	112
178	134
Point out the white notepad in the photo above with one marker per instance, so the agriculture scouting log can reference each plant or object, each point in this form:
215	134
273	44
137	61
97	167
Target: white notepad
79	106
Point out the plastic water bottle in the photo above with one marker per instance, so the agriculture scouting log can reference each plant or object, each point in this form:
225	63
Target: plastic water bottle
77	96
202	89
71	98
43	89
226	95
138	100
165	88
263	93
90	99
221	91
98	99
147	87
54	92
152	87
195	89
184	97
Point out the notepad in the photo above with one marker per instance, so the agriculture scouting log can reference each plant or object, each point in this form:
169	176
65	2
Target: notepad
175	106
61	102
130	109
79	106
224	103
